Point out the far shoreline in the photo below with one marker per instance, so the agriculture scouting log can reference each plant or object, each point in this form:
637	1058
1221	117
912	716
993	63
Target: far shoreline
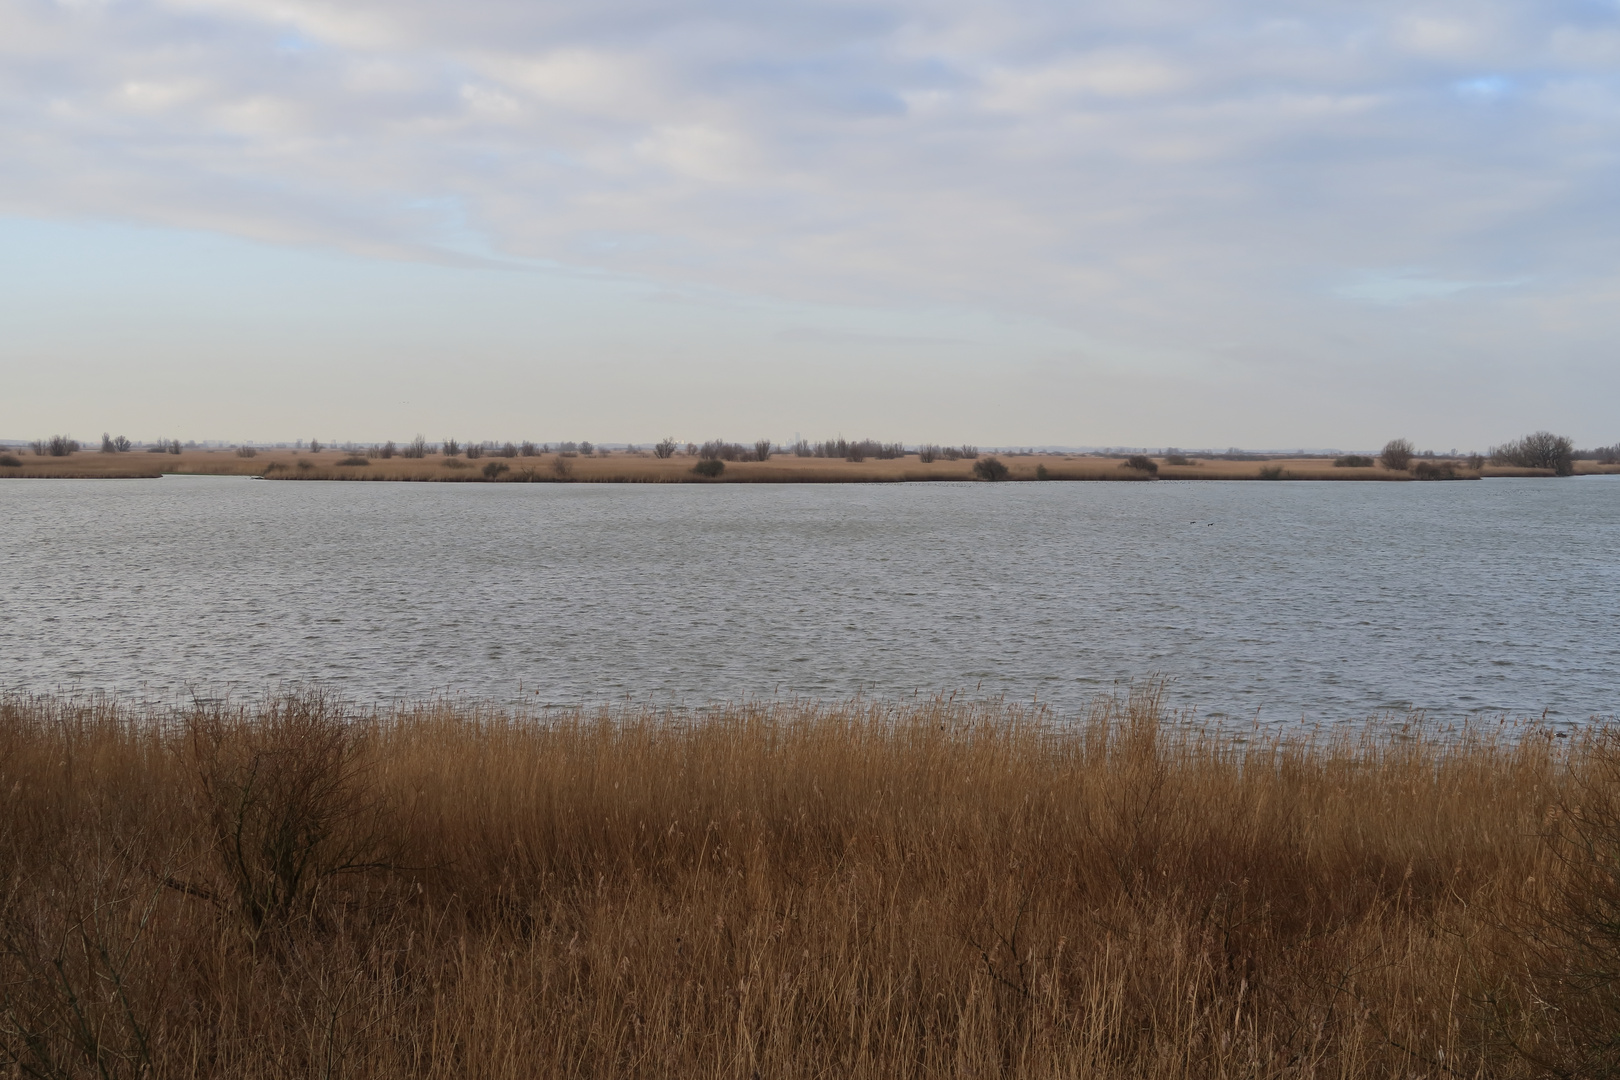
630	467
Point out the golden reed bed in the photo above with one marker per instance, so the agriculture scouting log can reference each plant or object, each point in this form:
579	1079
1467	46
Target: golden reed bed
621	467
294	889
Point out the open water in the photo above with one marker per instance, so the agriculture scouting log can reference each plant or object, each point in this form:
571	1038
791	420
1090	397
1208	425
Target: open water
1282	601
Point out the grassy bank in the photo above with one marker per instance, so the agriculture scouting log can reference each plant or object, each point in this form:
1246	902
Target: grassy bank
850	890
621	467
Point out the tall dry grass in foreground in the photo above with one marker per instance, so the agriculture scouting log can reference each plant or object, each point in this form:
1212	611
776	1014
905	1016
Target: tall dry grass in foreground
292	889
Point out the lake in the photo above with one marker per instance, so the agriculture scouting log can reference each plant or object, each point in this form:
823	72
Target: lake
1282	601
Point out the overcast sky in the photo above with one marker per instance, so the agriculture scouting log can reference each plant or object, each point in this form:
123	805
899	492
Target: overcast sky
1201	223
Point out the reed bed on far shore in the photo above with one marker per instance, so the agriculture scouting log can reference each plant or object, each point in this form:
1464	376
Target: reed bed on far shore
300	888
633	467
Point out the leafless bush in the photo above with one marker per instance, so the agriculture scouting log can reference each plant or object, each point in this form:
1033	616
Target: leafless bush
1430	470
1538	450
927	453
720	450
1141	463
493	469
507	450
287	798
416	448
802	448
450	448
990	468
55	446
386	450
475	451
1607	455
665	448
1571	923
528	449
114	445
246	451
762	450
561	467
1396	455
587	448
314	446
1353	461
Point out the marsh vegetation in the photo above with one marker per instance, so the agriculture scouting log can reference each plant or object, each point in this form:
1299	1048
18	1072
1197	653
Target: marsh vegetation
299	888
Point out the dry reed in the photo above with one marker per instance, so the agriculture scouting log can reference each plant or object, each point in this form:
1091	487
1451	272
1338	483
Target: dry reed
296	888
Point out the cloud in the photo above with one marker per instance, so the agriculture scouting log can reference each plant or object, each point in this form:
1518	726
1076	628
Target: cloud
1160	174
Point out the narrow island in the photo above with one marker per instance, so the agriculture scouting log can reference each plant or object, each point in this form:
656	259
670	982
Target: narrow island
839	461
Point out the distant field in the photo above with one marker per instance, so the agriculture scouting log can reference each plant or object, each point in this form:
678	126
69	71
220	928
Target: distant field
643	468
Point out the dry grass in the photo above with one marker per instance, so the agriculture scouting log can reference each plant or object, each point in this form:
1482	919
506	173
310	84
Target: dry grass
644	468
771	891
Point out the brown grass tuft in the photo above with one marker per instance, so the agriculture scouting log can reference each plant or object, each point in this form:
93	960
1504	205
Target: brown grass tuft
297	888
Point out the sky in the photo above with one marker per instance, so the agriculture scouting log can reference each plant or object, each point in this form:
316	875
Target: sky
1206	223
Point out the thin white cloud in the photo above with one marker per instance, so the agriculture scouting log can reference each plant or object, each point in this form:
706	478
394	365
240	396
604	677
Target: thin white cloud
1152	173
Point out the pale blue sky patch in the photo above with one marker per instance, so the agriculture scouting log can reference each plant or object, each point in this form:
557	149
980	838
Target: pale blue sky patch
1413	286
1483	88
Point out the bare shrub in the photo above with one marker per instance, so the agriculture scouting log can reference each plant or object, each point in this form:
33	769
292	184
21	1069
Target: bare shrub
114	445
354	459
315	446
587	448
55	446
664	448
1396	455
450	448
1430	470
416	448
990	468
561	467
507	450
528	449
1353	461
246	451
475	451
802	448
286	796
927	453
10	461
1538	450
1607	455
494	469
762	450
1570	921
387	450
709	467
1141	463
720	450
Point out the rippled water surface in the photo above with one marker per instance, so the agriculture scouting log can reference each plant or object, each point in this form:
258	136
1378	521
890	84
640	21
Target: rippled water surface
1322	600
